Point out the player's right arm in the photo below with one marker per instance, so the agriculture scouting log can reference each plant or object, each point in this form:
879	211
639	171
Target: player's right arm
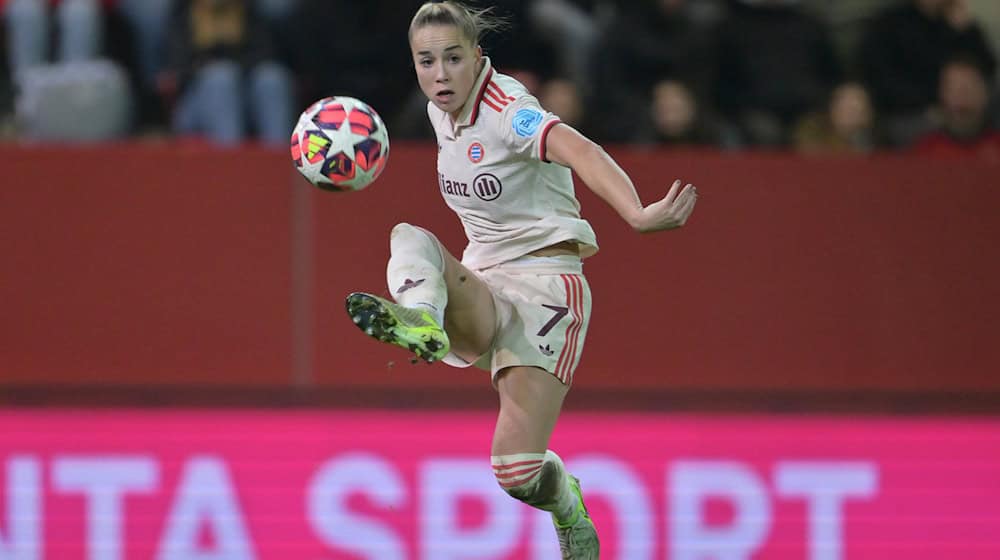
566	146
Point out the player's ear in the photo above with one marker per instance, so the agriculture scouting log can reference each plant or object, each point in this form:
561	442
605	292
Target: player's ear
479	52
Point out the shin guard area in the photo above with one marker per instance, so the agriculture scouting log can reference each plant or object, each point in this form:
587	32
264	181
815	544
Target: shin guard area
415	274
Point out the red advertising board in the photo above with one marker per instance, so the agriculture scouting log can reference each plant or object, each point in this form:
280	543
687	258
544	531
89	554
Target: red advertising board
164	266
384	485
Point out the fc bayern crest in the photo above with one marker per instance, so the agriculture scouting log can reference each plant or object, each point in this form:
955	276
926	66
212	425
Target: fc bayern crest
476	152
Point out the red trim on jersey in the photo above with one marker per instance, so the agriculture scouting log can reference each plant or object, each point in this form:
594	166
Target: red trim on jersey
492	105
542	140
574	299
500	92
493	95
479	97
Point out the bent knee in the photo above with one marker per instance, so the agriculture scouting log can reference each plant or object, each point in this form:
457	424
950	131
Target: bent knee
405	229
409	238
402	228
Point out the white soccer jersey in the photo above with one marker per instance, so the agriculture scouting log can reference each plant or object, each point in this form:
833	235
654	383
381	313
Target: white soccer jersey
492	172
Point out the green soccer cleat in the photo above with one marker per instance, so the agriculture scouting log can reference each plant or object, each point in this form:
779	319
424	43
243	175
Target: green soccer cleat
578	538
409	328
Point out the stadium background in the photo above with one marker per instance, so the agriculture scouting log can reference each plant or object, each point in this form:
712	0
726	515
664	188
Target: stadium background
808	370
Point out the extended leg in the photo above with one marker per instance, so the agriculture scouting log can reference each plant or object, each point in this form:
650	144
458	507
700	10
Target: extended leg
435	294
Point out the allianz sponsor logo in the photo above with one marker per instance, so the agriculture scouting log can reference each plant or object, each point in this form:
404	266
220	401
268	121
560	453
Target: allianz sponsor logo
485	186
453	187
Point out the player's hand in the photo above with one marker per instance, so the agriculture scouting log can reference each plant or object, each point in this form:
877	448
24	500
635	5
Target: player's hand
672	211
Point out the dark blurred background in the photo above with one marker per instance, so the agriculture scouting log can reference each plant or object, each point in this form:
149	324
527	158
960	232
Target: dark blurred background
808	76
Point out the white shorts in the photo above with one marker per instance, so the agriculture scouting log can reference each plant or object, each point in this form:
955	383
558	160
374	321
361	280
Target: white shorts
543	310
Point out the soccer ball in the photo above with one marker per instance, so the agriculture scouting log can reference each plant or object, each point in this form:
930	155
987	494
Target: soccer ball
340	144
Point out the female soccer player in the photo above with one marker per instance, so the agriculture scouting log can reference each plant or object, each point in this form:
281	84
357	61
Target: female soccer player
517	304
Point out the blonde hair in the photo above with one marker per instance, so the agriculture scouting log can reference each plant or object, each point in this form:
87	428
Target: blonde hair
472	23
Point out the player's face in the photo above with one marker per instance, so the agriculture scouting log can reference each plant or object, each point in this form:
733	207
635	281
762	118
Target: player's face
447	65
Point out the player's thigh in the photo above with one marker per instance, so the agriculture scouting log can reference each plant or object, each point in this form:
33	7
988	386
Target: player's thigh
530	401
470	318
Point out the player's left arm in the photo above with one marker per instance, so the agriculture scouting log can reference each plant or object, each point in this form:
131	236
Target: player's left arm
566	146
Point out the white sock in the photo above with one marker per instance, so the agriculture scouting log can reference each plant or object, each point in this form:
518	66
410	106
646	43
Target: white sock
415	274
564	506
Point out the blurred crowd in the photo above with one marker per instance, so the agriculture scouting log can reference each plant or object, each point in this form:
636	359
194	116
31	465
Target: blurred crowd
814	76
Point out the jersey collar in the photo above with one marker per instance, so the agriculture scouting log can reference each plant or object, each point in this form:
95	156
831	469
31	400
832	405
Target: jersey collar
470	111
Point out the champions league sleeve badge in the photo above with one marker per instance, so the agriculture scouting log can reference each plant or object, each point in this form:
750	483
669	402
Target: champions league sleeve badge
526	122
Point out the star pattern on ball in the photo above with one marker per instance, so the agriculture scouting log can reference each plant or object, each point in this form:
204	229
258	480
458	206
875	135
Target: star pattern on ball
344	136
340	144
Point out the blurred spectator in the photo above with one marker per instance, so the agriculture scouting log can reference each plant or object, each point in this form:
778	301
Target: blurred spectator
223	76
986	14
276	10
32	26
6	90
148	20
562	97
136	32
410	122
646	42
520	51
846	126
902	54
359	49
676	118
571	28
285	22
778	63
66	87
85	101
964	127
141	45
848	20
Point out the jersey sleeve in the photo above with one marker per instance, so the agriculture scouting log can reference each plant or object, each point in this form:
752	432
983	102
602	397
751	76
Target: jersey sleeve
525	126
